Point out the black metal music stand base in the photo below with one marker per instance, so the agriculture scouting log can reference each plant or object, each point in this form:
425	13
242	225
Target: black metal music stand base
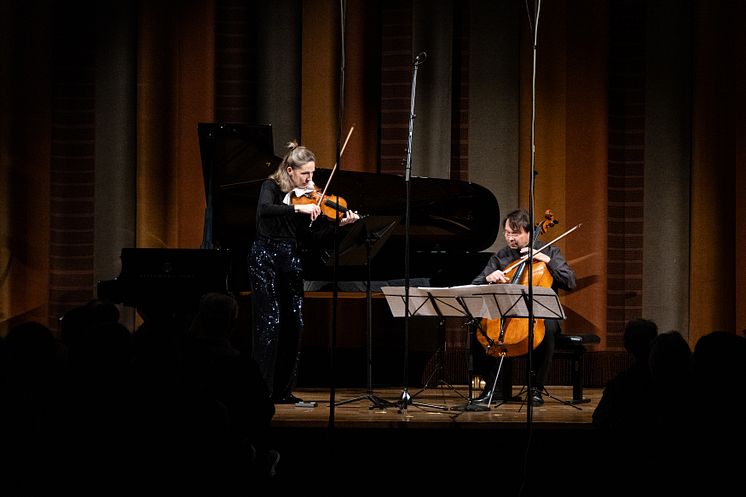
565	402
407	400
472	407
440	383
375	401
438	370
546	393
370	234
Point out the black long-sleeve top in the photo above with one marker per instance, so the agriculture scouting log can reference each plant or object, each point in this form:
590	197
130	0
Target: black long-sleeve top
274	219
278	221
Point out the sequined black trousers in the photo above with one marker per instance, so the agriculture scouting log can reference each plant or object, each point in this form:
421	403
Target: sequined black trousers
276	280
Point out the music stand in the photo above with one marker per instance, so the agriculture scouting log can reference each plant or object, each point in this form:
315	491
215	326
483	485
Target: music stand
433	301
472	301
438	368
511	301
466	301
359	246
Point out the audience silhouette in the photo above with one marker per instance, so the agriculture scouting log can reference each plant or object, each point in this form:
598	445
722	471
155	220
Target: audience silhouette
623	417
674	408
172	406
208	411
717	433
218	372
178	408
623	406
30	381
669	444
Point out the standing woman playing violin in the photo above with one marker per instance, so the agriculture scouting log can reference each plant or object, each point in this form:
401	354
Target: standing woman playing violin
275	271
517	230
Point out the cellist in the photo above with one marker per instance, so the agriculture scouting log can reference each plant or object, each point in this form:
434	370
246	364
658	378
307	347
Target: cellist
517	231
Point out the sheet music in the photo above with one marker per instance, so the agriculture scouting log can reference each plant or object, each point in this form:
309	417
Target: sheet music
489	301
419	301
508	300
472	297
435	301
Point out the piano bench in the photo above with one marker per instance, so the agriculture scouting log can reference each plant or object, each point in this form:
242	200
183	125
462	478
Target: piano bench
574	346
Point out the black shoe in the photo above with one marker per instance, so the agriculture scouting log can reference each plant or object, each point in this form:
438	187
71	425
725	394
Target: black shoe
535	397
484	398
290	399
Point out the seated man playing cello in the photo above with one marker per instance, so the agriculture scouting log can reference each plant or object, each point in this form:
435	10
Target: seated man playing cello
501	269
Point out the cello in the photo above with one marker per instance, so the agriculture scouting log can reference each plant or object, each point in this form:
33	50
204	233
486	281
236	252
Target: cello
509	336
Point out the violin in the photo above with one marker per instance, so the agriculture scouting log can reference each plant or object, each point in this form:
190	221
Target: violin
509	336
333	207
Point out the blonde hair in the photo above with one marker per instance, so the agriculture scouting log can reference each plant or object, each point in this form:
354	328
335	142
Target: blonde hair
297	156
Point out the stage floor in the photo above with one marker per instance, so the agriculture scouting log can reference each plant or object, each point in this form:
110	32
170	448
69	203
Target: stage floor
434	407
434	445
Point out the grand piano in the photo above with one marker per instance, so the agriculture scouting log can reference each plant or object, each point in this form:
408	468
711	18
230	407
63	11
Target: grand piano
450	224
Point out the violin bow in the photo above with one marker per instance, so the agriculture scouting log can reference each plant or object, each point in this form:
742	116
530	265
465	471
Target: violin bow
342	151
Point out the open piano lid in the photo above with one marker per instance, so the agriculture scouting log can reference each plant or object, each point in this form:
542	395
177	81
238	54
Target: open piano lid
451	221
236	158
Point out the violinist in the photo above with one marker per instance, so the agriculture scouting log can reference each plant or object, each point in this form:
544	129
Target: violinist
275	271
517	232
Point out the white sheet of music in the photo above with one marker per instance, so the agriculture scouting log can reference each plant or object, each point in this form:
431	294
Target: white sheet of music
490	301
423	301
508	300
419	301
471	295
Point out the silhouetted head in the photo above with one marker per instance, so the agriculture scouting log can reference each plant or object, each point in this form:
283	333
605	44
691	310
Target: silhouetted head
216	316
670	358
30	344
719	361
75	321
638	335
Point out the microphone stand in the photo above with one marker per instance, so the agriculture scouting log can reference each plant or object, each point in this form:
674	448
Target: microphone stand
335	292
530	254
530	299
405	398
374	235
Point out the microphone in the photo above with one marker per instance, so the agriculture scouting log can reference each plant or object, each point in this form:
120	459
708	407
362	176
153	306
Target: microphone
421	57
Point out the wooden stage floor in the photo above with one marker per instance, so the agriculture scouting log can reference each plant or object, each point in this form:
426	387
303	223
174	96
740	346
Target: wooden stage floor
434	444
430	408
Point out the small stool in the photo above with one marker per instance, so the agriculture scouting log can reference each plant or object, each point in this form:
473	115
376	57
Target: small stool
575	345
